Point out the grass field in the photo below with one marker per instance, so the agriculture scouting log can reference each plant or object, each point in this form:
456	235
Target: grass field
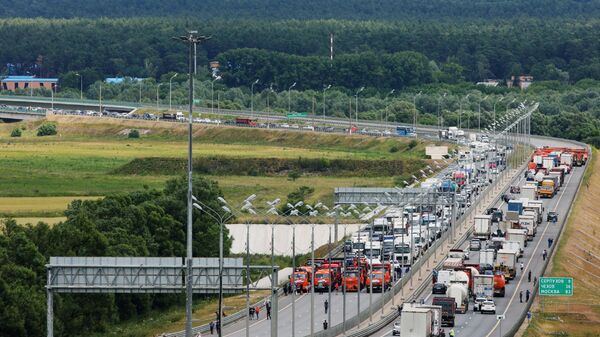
578	256
81	159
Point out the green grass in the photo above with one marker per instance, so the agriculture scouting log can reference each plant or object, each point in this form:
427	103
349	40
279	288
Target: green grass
82	158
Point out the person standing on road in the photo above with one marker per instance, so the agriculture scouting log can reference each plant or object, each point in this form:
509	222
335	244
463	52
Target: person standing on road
326	305
527	293
529	276
521	265
257	311
211	325
268	306
544	254
325	324
549	242
521	296
451	333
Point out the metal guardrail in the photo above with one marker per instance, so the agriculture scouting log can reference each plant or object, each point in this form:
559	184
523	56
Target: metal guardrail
381	301
512	331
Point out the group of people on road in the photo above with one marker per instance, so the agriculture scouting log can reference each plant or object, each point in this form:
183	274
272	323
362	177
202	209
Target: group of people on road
254	312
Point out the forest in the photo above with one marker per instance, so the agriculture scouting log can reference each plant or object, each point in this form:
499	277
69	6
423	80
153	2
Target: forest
305	9
147	223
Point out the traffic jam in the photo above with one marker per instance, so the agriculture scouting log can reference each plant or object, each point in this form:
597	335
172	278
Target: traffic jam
477	280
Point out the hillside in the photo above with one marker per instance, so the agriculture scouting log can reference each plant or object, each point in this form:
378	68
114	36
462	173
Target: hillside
306	9
94	157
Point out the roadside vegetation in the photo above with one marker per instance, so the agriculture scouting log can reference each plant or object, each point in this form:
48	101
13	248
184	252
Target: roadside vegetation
92	157
578	256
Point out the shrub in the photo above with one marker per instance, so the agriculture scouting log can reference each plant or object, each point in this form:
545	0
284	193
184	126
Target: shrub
293	175
412	144
133	134
46	130
16	132
394	149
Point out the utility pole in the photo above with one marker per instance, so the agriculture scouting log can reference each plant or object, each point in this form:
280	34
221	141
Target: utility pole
192	40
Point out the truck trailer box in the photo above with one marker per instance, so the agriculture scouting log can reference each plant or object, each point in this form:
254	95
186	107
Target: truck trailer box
529	191
515	206
507	258
416	322
482	226
483	286
512	216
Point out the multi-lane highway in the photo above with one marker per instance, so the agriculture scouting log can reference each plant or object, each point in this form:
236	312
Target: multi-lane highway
476	324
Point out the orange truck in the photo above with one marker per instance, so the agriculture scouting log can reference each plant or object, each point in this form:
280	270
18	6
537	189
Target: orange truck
323	279
381	280
301	278
354	279
499	284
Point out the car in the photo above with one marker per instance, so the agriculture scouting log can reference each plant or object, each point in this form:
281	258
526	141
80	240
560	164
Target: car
552	217
478	302
396	330
439	288
515	189
475	244
488	306
506	198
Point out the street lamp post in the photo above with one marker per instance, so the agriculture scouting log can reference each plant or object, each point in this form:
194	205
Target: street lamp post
479	114
325	89
212	94
494	115
460	111
290	97
439	107
192	40
252	97
387	110
416	110
356	98
80	86
100	100
157	94
171	89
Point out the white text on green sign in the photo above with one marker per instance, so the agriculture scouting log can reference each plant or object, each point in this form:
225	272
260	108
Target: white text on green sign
556	286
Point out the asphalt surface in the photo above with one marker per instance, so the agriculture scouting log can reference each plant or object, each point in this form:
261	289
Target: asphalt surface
486	325
262	327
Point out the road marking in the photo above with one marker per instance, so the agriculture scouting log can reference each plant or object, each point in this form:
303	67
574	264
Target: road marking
530	259
265	319
385	334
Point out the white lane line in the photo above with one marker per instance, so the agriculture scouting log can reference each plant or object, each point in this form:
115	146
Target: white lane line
385	334
533	255
265	319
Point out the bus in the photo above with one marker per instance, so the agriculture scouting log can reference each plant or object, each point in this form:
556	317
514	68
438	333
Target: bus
406	131
246	121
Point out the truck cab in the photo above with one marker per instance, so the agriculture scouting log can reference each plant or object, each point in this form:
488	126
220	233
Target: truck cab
354	279
301	278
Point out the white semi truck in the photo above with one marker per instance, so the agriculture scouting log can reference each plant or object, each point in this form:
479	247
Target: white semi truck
483	224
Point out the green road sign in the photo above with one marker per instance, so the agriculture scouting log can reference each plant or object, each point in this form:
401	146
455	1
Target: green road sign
556	286
297	115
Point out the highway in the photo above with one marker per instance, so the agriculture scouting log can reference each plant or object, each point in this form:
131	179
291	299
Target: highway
476	324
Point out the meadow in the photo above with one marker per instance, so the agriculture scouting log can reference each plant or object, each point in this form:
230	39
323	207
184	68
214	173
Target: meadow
40	175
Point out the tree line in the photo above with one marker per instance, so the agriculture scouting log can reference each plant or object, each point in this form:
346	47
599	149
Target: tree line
145	223
384	55
306	9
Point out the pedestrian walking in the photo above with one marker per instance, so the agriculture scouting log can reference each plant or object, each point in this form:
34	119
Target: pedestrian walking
544	254
326	305
211	325
522	266
251	312
269	311
534	280
257	311
337	285
549	242
529	276
325	324
285	290
451	333
528	316
521	296
527	293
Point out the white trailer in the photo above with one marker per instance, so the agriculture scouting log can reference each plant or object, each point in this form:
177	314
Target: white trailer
514	246
566	159
529	191
529	222
486	256
483	224
483	286
416	322
460	293
517	235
